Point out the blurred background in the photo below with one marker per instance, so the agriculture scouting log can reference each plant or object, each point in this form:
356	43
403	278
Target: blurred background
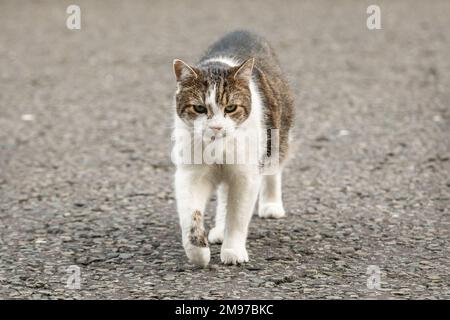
86	176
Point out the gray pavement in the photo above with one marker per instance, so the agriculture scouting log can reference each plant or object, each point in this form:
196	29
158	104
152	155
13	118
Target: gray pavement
86	176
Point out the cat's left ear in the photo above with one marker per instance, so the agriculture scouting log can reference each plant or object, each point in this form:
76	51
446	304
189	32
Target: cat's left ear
244	71
183	70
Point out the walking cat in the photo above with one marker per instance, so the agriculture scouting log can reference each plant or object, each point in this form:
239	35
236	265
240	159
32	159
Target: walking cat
236	88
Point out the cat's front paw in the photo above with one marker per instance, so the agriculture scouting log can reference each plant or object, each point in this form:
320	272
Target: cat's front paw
271	210
199	256
233	255
216	235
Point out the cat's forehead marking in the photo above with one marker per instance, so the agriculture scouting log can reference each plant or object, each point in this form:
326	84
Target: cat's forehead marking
211	98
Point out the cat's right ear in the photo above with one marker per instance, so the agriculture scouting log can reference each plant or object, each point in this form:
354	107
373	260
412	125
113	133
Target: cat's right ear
183	71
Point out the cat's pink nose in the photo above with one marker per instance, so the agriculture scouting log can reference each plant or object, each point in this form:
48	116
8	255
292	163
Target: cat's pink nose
217	129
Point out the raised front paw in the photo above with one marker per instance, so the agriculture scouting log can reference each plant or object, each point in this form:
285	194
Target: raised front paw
233	255
199	256
271	210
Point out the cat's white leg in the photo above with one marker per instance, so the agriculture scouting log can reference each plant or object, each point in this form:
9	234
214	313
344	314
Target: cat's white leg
193	188
216	234
242	195
270	201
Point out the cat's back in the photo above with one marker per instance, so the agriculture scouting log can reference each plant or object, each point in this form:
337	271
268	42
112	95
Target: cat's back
241	45
237	43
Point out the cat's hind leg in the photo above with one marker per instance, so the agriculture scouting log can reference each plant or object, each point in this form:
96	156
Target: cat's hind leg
270	200
216	234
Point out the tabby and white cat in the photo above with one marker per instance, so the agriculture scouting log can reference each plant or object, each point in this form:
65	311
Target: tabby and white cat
236	87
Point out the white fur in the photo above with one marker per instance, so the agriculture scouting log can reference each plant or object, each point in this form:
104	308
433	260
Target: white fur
210	99
216	234
227	60
270	202
238	186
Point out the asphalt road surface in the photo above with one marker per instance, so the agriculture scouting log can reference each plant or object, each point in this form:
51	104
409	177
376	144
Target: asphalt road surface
86	176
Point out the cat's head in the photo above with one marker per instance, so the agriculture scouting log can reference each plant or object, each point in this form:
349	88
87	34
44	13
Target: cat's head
214	98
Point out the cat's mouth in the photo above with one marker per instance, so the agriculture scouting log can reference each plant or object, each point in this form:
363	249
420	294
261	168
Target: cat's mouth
218	136
213	136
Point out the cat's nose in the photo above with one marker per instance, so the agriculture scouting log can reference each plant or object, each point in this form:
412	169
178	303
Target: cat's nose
216	128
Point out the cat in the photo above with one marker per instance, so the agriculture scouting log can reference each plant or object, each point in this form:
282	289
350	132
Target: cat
236	88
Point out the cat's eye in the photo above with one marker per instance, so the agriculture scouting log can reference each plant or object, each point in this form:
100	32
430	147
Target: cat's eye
199	109
230	108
